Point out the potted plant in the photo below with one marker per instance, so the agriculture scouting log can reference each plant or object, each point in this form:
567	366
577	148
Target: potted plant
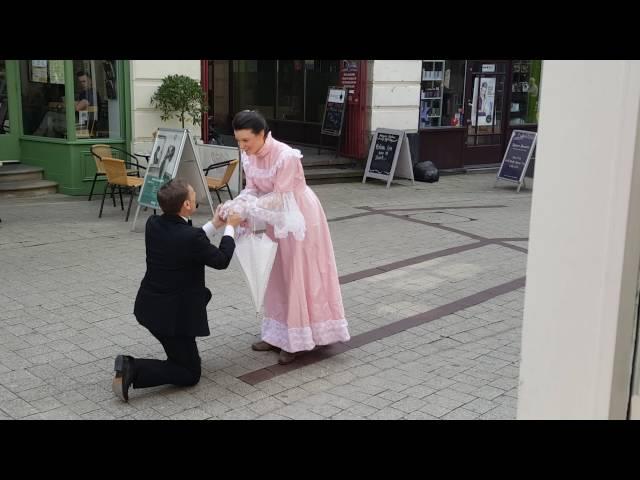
179	96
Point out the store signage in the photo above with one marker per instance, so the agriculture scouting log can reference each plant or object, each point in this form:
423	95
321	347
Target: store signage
516	158
334	111
349	72
389	156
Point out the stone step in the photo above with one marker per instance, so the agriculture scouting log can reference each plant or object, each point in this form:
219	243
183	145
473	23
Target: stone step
27	188
14	172
452	171
325	161
328	164
320	175
326	158
487	168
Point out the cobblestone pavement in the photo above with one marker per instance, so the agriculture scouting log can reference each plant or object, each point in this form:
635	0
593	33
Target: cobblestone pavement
433	285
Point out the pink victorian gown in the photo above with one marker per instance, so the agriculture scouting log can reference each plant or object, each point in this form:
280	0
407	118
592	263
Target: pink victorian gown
303	304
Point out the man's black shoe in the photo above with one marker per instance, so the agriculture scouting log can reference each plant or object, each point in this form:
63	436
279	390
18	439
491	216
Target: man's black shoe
124	376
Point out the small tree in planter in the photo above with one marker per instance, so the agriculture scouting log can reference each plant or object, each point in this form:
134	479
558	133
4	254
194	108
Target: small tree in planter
179	96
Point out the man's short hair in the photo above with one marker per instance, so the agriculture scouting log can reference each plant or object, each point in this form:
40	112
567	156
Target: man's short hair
82	73
172	195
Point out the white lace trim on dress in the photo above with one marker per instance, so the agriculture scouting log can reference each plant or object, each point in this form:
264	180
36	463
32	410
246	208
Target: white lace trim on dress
293	340
278	209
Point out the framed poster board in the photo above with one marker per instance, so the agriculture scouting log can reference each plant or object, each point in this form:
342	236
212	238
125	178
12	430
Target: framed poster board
174	154
334	109
517	157
389	156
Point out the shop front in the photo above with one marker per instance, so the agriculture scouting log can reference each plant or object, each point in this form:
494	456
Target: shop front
468	109
52	111
291	94
9	142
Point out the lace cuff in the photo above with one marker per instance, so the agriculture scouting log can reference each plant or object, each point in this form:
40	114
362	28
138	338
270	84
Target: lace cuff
277	209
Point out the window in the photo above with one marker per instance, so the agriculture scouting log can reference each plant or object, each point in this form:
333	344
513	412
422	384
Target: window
525	91
320	75
4	100
96	105
254	86
96	99
453	93
442	93
219	92
291	90
43	107
282	89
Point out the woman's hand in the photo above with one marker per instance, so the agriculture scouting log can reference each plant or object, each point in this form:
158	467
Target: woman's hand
217	218
234	219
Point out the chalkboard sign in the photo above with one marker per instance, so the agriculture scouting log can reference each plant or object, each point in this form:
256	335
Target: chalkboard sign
385	151
389	156
517	157
334	111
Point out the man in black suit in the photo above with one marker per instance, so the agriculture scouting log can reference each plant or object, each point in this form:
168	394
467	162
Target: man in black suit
172	299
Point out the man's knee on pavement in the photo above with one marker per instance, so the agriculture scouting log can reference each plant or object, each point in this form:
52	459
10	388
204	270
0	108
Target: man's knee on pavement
194	376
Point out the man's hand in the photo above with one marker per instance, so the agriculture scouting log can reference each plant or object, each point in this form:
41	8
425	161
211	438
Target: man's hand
217	221
234	219
82	105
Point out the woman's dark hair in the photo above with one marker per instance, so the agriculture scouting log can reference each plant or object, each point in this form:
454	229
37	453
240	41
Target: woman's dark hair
252	120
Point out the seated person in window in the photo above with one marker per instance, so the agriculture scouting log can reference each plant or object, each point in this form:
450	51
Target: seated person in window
85	97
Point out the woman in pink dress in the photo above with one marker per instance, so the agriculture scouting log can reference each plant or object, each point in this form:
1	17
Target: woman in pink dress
303	304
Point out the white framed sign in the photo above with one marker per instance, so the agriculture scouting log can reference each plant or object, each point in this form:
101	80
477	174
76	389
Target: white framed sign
517	157
173	155
389	156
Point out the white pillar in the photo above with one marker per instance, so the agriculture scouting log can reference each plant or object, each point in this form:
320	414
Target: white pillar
584	251
146	77
394	100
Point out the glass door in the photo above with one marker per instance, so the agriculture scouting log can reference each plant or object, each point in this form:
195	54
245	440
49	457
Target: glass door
484	112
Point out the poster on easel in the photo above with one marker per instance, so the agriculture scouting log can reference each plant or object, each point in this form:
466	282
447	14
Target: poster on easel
174	155
389	156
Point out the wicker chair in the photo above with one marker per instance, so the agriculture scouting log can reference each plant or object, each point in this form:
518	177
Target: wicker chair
100	151
216	184
117	176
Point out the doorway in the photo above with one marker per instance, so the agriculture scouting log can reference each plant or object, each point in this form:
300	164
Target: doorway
486	97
